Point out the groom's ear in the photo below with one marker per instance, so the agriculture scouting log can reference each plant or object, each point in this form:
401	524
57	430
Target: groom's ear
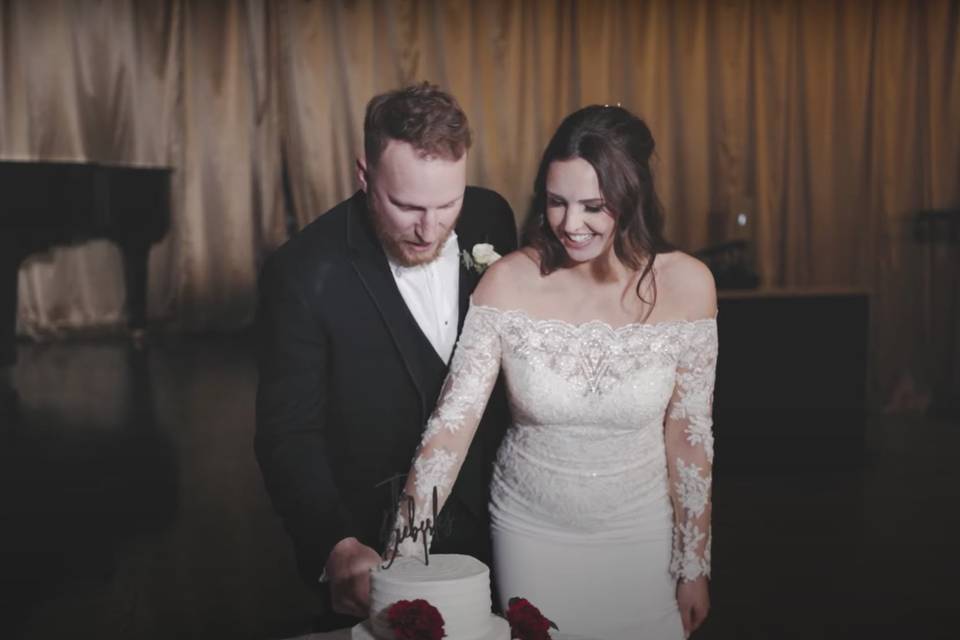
362	175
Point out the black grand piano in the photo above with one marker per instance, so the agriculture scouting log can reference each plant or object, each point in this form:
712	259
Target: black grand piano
51	203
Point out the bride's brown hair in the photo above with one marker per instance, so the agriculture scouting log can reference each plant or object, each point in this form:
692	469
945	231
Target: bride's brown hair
618	145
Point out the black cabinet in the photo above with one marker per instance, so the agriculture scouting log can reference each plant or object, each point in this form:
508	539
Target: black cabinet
791	378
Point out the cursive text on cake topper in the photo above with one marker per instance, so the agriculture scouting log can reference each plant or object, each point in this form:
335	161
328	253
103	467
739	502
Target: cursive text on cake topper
424	529
442	525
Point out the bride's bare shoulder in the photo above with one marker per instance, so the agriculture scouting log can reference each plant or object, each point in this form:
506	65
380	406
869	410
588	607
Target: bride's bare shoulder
686	285
507	282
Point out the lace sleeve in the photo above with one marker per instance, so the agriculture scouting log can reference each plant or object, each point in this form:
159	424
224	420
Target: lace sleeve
689	446
449	431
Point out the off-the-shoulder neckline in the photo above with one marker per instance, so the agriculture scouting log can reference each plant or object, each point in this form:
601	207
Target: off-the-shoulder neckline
579	325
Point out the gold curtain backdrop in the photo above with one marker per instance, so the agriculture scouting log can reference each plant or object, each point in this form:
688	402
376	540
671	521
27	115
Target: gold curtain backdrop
835	121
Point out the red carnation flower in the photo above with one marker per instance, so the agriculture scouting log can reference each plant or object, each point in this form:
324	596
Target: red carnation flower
415	620
526	621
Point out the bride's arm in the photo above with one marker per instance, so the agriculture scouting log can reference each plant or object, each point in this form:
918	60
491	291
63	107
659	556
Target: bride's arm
450	429
689	445
688	433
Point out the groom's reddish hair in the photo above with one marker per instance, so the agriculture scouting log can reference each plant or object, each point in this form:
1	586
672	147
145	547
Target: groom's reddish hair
423	115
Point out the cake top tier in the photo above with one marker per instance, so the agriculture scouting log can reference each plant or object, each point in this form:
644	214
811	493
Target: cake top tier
442	567
457	586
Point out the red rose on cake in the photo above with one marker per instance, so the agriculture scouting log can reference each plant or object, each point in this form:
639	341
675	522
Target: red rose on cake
526	621
415	620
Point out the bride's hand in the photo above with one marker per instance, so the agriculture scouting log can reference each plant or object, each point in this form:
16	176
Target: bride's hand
693	598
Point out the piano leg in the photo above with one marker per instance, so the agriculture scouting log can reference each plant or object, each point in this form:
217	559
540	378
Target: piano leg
10	257
135	255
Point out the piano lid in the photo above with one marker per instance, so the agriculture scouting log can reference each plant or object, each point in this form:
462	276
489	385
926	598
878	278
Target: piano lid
71	201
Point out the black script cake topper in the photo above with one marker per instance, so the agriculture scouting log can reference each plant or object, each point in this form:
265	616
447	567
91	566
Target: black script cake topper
442	524
425	529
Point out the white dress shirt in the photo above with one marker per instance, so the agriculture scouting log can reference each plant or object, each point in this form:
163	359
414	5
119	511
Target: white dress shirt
432	294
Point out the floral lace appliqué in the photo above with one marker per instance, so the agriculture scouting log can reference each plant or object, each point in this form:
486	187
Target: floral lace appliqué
446	438
434	471
690	423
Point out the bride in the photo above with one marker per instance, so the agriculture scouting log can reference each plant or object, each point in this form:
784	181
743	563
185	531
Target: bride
600	498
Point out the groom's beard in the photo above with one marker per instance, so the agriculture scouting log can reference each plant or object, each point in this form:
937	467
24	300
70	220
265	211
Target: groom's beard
393	243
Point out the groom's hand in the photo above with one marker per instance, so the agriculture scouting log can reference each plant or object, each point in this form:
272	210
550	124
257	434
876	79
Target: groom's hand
348	571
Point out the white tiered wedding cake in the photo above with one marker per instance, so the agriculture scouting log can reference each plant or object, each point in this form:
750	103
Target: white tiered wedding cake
457	586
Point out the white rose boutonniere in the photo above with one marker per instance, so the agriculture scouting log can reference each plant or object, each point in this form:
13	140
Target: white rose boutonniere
480	257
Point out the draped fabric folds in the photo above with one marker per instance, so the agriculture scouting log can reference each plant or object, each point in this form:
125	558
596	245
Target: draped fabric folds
188	85
85	82
835	121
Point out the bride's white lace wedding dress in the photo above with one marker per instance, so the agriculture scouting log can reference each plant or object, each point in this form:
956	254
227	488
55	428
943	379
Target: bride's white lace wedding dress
600	499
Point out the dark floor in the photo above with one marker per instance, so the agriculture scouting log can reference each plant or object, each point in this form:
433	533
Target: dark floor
131	507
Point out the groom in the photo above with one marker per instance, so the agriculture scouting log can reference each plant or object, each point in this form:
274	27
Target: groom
359	314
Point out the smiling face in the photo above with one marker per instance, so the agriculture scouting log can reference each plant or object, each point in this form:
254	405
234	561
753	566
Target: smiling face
414	201
576	210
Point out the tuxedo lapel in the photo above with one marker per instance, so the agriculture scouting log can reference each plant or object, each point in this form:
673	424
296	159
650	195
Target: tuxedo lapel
468	277
373	270
468	282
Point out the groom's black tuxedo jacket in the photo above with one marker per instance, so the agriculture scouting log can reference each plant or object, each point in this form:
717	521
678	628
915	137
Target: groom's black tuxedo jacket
348	380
